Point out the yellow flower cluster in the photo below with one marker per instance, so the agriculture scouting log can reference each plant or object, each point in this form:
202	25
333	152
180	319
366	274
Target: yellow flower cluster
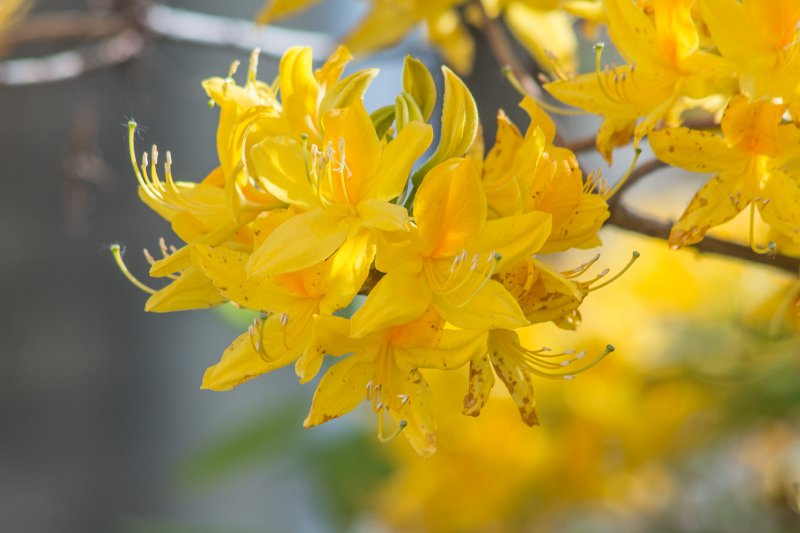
738	60
316	200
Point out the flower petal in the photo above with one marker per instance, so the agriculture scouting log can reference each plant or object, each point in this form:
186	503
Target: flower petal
397	159
399	297
239	363
481	381
454	349
341	389
491	307
516	379
279	163
715	203
192	290
302	241
450	208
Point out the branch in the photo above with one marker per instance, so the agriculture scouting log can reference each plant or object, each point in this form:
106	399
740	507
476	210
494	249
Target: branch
624	218
211	30
119	39
72	63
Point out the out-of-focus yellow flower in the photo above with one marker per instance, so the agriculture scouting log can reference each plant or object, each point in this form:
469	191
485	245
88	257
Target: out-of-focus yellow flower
543	28
751	165
389	21
278	9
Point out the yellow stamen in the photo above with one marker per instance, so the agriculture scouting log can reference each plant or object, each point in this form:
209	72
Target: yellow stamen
116	251
634	256
627	175
517	85
555	365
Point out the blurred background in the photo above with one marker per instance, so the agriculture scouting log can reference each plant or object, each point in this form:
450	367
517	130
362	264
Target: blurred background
691	425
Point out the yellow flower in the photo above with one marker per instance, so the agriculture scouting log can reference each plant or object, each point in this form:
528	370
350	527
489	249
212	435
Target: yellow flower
760	39
288	303
543	28
383	368
278	9
665	64
527	174
343	186
752	166
451	256
389	21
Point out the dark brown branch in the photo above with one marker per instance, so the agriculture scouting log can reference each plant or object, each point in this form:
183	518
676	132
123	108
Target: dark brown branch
624	218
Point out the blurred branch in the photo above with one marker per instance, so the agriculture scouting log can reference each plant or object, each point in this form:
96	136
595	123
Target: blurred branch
211	30
72	63
118	39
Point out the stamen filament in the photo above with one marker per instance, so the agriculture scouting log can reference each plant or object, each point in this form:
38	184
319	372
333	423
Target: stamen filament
116	251
634	256
517	85
627	175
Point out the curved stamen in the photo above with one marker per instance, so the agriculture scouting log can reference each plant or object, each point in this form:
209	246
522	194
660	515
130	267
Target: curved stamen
548	365
634	256
627	175
517	85
401	425
116	251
